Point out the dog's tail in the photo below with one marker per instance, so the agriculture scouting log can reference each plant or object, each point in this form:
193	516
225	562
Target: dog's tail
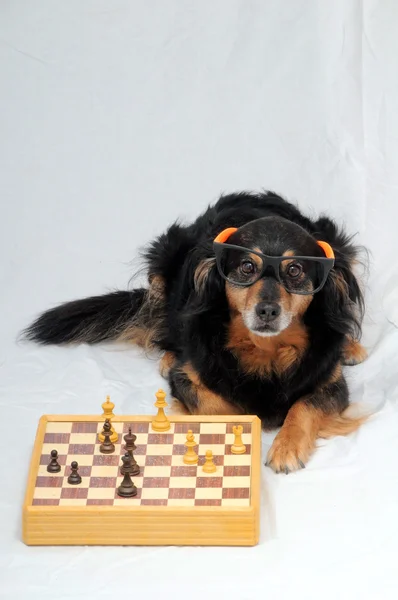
134	316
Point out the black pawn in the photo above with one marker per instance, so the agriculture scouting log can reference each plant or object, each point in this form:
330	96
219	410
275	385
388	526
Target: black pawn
74	478
54	466
107	447
127	488
130	438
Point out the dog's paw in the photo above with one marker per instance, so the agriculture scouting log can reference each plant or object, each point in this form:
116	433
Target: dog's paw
354	353
287	454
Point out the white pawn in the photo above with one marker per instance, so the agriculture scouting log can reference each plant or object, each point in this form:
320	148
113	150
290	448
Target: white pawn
209	466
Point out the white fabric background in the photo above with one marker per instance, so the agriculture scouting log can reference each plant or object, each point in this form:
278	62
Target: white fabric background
116	118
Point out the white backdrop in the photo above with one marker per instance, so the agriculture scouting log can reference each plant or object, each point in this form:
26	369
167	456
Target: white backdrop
116	118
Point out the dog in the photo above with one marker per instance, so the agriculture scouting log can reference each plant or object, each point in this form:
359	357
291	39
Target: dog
254	308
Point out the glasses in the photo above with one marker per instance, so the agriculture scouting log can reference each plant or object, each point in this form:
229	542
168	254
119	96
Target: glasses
298	274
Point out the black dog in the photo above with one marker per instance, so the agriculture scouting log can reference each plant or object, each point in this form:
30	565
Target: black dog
258	321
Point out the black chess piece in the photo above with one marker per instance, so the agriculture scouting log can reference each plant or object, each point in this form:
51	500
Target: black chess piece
107	447
54	466
74	478
130	438
127	489
130	446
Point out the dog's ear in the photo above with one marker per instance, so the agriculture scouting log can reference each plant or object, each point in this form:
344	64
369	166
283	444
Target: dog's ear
203	273
342	295
207	290
343	298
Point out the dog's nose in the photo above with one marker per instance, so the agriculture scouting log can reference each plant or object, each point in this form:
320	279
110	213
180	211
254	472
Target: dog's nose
268	311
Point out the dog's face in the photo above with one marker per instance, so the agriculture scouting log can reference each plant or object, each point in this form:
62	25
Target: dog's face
270	295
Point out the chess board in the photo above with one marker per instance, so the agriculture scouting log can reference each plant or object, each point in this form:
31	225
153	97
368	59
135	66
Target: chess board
176	504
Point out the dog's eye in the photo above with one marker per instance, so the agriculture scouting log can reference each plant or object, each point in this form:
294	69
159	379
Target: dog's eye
247	267
294	270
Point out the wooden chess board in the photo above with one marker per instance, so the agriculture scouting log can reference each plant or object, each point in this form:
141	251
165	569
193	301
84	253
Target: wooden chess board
176	504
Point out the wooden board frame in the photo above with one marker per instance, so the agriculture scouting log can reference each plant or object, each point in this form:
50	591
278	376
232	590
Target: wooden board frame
143	525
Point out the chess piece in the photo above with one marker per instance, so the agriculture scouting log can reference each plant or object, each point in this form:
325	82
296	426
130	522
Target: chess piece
107	447
190	457
127	465
130	438
160	422
108	407
74	478
209	466
238	446
127	489
54	466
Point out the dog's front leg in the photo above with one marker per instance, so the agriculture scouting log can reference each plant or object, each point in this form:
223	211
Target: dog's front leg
167	362
321	415
296	439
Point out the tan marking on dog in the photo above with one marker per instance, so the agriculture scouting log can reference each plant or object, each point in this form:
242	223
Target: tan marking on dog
157	285
243	298
144	326
209	403
295	304
191	373
212	404
354	353
177	407
257	259
166	363
336	375
339	282
202	272
262	355
140	336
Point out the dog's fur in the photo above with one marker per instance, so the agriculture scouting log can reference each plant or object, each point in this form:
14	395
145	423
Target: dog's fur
214	360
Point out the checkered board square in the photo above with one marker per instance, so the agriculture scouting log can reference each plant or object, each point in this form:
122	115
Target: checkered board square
164	479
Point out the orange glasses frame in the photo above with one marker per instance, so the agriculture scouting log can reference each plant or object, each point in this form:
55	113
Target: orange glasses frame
226	234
